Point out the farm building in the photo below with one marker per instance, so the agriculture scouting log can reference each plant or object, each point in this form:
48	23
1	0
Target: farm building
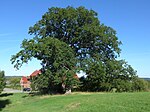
25	80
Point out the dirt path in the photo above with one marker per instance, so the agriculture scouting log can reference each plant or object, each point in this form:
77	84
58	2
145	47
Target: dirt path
9	90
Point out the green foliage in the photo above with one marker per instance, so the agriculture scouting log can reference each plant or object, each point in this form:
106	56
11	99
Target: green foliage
56	57
111	75
139	84
2	80
14	82
96	76
81	30
52	53
122	85
148	85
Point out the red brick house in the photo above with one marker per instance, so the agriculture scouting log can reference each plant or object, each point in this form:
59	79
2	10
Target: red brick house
25	81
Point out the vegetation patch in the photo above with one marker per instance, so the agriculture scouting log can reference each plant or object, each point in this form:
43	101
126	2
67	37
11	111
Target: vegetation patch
77	102
72	106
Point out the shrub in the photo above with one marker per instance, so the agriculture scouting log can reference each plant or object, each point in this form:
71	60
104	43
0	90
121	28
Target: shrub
139	85
2	80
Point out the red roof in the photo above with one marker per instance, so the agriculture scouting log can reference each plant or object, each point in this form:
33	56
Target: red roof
24	79
35	73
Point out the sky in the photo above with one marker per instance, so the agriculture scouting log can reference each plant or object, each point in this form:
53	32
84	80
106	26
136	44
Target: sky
130	19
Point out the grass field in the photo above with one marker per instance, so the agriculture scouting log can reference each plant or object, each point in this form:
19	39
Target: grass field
77	102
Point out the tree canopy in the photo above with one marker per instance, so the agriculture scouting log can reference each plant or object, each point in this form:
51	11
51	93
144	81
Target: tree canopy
81	30
57	60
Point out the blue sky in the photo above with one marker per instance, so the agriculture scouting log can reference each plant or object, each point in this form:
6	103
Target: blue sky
130	18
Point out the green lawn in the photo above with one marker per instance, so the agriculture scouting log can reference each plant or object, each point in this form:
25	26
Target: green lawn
77	102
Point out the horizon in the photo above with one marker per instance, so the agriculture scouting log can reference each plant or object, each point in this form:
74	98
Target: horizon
130	19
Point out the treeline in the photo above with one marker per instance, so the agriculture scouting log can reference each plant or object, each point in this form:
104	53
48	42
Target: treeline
10	77
13	82
67	40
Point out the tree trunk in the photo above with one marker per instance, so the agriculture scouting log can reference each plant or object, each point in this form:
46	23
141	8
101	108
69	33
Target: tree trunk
68	91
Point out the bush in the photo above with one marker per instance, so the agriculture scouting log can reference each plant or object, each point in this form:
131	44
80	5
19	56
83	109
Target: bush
139	85
122	85
2	80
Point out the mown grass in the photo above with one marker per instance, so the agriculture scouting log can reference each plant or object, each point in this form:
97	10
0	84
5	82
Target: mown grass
77	102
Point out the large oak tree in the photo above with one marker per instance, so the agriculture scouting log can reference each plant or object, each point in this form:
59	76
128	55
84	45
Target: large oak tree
64	35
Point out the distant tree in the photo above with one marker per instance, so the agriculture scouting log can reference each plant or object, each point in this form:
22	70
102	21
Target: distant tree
2	81
14	82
